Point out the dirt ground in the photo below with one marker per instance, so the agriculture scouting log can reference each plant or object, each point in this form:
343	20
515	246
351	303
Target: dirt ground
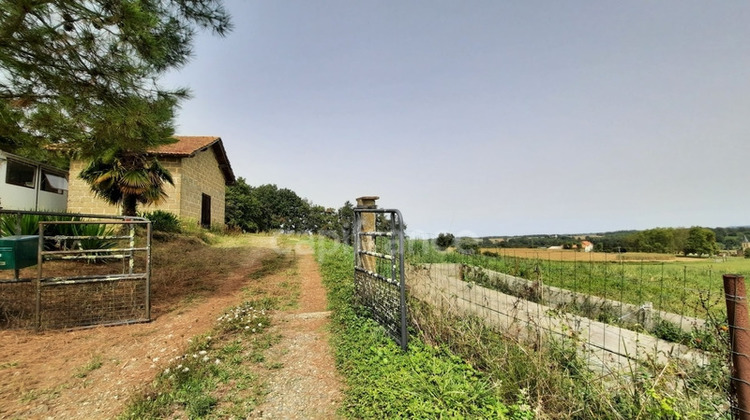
307	386
91	373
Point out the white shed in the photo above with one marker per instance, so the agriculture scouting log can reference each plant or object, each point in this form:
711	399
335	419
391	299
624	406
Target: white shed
29	185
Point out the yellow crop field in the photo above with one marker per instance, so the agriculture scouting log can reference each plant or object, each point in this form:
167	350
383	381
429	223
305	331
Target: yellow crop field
573	255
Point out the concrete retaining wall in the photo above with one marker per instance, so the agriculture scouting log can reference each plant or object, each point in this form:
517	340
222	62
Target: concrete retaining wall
602	345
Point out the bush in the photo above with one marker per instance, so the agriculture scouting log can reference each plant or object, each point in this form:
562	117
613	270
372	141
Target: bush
747	252
163	221
29	224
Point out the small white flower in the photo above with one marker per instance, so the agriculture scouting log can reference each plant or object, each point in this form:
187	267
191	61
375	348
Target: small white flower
156	359
186	369
205	358
217	361
202	352
166	371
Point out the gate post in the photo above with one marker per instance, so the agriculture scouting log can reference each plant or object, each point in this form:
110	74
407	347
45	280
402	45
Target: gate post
739	341
368	225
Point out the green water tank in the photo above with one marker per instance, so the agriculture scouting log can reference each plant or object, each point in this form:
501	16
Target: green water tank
18	251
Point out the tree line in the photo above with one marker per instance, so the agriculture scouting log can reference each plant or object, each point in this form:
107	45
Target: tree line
694	240
268	208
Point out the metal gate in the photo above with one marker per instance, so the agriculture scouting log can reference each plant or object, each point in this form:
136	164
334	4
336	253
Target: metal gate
90	270
379	283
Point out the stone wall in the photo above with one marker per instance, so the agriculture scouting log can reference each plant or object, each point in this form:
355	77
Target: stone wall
201	175
80	197
172	202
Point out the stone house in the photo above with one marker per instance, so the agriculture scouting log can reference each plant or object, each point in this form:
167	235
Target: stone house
200	170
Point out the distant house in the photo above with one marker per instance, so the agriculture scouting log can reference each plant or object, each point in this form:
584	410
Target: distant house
586	246
200	170
29	185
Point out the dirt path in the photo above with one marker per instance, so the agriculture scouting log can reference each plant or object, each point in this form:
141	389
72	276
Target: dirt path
306	385
91	373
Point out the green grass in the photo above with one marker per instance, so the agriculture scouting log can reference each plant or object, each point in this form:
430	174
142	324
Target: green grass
94	364
385	382
458	367
213	379
272	265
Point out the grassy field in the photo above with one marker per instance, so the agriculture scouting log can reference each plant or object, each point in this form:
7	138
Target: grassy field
573	255
688	286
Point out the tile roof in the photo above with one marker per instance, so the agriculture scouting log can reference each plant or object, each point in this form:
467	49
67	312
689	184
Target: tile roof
187	146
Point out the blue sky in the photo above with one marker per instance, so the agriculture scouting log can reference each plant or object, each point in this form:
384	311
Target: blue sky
487	117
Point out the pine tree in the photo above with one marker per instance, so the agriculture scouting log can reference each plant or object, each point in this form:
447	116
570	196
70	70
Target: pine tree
83	74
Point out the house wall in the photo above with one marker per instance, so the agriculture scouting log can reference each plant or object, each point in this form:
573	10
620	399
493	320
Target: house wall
82	200
49	201
201	175
80	197
192	177
172	202
16	197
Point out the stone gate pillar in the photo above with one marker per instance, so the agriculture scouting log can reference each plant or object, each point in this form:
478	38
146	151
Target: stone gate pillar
368	225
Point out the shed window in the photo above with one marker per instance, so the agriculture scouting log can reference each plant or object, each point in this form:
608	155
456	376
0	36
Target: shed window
54	183
20	174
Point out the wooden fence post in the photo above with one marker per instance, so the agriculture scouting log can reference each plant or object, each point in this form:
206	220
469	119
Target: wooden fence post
739	341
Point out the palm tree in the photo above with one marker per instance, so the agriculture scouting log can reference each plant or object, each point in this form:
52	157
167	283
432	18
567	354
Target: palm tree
127	179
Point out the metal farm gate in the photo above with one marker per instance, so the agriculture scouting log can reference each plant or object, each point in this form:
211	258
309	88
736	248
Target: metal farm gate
90	270
379	282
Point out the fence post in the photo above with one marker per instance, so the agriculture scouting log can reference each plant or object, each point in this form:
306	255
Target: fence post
739	341
647	315
368	225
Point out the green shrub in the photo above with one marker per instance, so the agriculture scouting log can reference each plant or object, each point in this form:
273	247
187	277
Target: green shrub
163	221
29	224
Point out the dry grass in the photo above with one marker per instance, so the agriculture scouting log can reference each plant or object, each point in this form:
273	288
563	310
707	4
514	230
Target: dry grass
184	269
573	255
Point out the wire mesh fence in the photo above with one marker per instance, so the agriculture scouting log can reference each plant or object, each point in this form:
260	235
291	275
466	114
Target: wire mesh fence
622	319
528	309
100	303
